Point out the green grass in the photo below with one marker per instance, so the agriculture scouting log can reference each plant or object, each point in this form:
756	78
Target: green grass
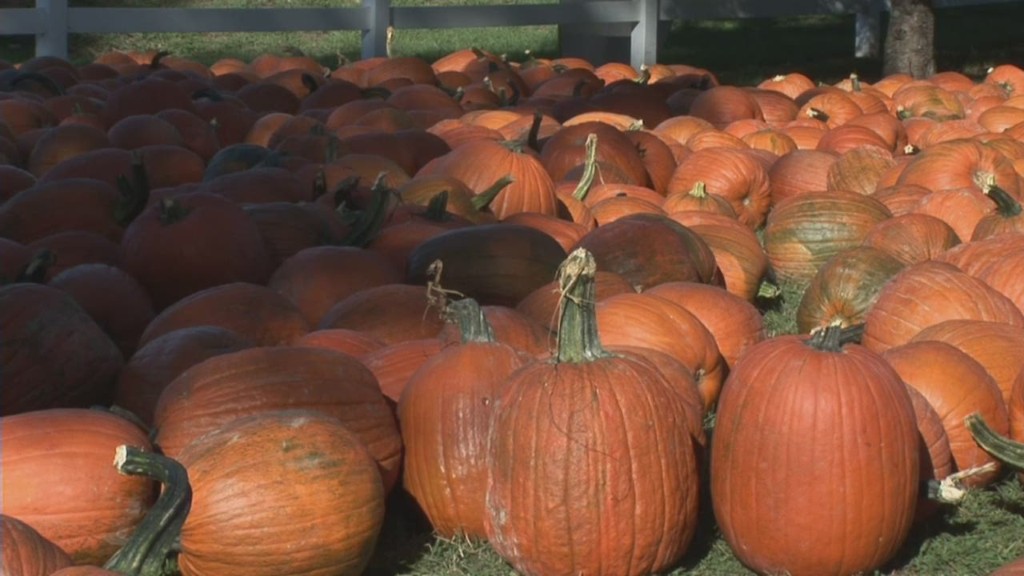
740	52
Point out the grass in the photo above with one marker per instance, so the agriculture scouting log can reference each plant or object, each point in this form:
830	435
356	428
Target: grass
741	52
984	532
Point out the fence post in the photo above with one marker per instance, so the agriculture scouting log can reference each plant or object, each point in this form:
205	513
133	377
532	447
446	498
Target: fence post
643	39
868	29
54	41
375	38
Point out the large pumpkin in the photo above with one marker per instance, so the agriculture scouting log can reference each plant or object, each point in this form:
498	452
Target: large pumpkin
576	486
445	414
58	478
291	492
229	386
814	459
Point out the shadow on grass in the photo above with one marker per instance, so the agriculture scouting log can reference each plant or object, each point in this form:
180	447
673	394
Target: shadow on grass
405	538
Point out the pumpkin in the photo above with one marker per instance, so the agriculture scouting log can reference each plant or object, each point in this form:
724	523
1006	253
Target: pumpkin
925	294
254	312
298	487
445	413
735	323
732	174
187	243
738	253
955	385
90	510
814	459
629	507
154	365
26	552
804	231
648	249
997	346
54	353
319	277
913	237
115	300
255	380
492	263
845	288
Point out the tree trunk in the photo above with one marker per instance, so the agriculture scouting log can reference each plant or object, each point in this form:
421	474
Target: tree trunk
910	40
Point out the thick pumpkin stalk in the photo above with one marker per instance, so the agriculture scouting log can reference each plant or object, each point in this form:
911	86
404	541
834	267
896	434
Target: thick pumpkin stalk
148	552
469	317
1004	449
1006	205
589	168
134	192
577	329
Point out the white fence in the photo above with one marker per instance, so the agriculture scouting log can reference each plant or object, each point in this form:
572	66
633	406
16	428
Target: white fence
51	21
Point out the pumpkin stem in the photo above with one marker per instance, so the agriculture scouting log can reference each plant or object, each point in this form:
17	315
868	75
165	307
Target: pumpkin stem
817	114
148	551
366	224
1007	205
438	295
950	490
589	168
1004	449
171	211
134	192
533	136
833	337
699	190
482	201
469	317
855	85
36	269
437	207
578	340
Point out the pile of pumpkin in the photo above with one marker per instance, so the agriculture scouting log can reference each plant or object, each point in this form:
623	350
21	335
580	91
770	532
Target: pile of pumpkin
517	291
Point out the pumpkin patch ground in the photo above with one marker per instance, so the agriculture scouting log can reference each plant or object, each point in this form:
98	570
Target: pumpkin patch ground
479	315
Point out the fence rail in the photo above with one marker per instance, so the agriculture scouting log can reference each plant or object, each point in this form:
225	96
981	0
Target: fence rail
52	21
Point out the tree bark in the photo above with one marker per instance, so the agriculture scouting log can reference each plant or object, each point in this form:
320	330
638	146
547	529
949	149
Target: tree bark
910	39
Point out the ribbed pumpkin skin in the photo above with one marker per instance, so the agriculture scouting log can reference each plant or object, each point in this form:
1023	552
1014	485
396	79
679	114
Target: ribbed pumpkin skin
26	552
290	492
845	287
445	414
229	386
814	460
58	478
803	232
955	385
593	470
926	294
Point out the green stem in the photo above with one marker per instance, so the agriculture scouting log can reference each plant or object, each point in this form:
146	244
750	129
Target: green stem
469	317
36	269
1007	205
483	200
1004	449
148	551
366	224
437	207
134	192
589	168
578	339
833	337
533	136
171	211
